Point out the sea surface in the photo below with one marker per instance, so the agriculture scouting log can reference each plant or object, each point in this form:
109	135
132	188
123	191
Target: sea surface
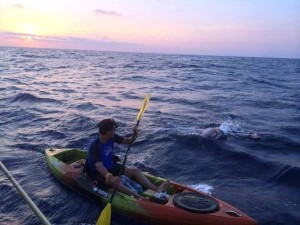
54	98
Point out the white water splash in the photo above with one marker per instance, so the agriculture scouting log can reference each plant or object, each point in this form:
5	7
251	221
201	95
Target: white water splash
202	187
233	127
139	157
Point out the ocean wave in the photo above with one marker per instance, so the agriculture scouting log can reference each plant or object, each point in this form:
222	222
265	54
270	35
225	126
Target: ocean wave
54	134
28	146
39	56
28	55
133	77
287	175
73	122
185	66
132	65
64	90
10	217
61	67
275	172
130	95
269	83
36	68
86	106
30	98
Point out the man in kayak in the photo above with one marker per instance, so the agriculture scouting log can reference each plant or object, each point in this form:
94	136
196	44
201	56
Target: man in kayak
221	133
100	165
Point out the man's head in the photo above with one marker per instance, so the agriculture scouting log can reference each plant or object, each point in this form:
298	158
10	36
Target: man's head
107	127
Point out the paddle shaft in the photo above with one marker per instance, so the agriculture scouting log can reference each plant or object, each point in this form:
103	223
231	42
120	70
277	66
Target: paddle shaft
123	164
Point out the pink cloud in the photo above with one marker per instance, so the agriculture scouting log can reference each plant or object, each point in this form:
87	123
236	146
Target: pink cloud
102	43
108	13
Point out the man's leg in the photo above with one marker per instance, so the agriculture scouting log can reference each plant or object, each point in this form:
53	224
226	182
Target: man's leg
124	190
137	174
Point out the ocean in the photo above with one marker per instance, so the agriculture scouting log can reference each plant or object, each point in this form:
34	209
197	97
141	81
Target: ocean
54	98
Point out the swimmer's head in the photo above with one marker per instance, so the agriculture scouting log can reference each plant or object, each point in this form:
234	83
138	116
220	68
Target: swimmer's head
255	137
224	128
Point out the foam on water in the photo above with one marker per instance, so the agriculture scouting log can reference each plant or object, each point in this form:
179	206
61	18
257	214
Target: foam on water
139	157
202	187
233	126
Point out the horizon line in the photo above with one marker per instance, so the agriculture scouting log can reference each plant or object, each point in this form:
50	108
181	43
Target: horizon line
156	53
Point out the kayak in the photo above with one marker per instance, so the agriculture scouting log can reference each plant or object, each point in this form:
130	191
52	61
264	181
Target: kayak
182	206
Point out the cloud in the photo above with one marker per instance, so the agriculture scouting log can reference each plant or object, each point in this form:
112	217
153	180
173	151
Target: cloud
15	35
21	36
102	43
108	13
19	6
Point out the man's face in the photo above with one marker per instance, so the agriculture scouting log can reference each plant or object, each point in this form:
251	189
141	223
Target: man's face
111	133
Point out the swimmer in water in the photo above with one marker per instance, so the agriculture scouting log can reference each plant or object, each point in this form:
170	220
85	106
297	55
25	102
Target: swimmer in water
222	132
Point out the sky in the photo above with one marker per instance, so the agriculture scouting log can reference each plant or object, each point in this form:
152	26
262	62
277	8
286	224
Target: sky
264	28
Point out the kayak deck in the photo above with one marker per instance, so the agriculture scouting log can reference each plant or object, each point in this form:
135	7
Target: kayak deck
67	166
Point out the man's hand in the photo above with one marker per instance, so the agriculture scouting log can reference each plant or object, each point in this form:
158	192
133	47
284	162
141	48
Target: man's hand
114	180
128	141
135	134
135	129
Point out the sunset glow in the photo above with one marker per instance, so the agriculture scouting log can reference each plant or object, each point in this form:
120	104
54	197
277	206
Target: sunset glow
248	28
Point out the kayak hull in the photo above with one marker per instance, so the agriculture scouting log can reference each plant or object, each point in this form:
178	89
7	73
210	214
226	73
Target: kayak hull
67	167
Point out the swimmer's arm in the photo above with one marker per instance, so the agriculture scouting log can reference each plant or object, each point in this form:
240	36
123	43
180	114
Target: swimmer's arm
252	136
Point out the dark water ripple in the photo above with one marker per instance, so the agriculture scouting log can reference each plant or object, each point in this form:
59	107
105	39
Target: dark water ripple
55	98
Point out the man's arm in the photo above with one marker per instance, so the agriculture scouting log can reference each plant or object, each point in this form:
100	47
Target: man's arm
122	140
109	178
101	169
128	141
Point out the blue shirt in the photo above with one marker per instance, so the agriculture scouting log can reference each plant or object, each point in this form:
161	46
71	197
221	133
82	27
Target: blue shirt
102	152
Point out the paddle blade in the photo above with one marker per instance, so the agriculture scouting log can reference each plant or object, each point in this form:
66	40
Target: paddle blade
143	108
105	216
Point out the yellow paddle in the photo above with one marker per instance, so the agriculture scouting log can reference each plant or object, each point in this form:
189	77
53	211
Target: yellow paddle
105	216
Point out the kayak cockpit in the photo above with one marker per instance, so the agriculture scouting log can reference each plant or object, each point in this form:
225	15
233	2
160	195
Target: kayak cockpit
70	156
75	159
